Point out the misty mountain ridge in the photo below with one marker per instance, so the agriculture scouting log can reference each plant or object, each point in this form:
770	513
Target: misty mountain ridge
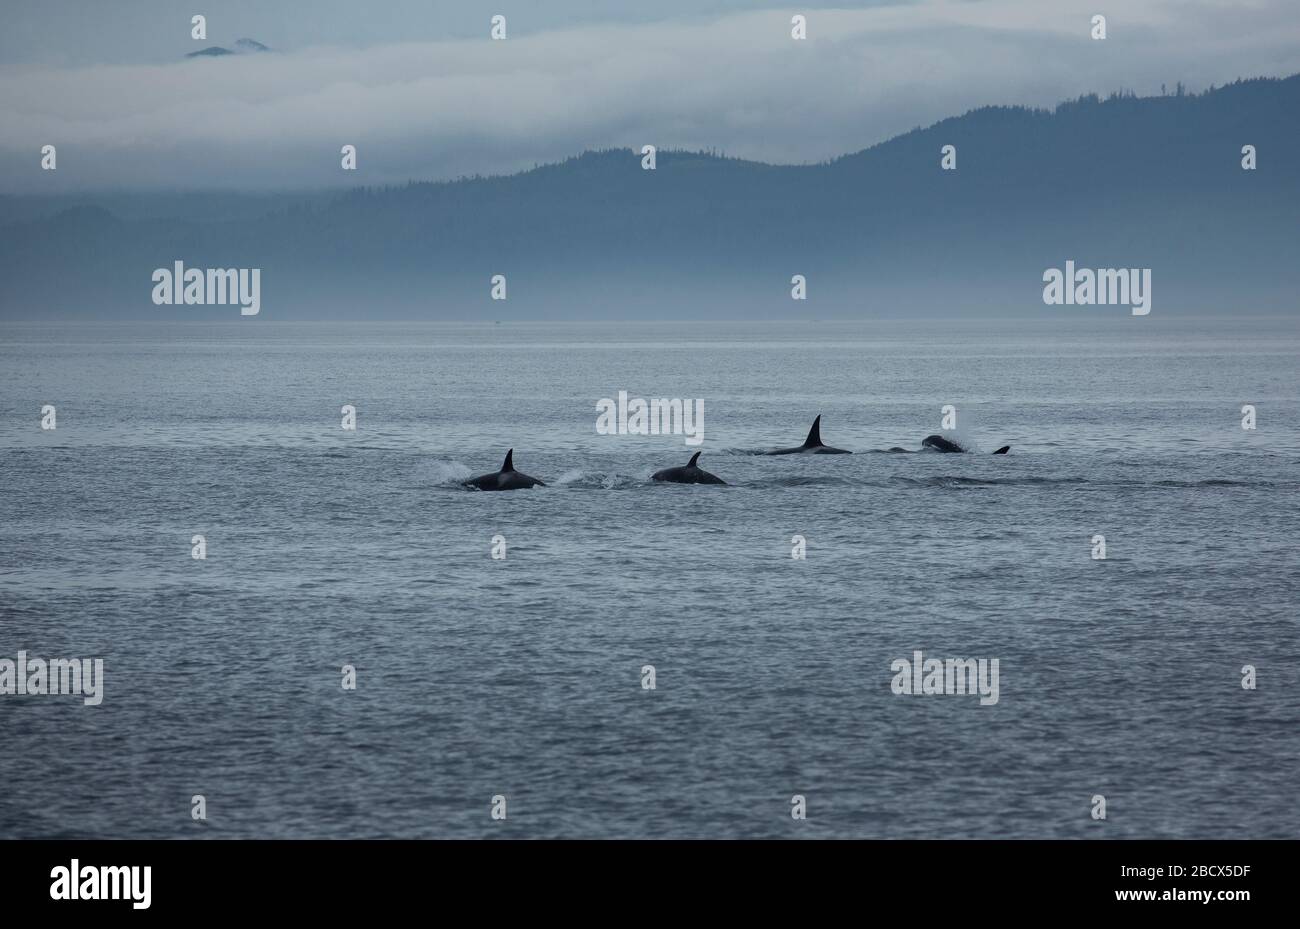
1121	182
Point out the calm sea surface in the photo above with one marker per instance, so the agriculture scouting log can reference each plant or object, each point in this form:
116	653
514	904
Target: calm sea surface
522	677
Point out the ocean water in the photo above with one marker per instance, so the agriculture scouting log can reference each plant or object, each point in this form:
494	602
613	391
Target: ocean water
522	677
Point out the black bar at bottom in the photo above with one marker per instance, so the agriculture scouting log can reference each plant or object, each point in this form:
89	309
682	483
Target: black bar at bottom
947	880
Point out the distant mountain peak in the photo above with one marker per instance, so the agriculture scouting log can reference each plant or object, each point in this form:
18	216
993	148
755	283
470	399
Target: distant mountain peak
212	51
242	47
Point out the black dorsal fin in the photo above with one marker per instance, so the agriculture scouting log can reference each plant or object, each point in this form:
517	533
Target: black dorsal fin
510	461
1003	450
694	458
814	434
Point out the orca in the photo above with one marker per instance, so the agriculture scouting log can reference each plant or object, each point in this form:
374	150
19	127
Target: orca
505	479
938	443
690	474
812	445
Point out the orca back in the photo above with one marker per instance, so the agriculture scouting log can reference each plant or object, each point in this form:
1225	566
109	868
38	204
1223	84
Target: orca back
505	479
941	444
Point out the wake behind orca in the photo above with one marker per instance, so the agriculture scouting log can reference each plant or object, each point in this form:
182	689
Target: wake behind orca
505	479
690	473
812	445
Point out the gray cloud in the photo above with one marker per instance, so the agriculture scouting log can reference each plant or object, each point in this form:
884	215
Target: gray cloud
735	82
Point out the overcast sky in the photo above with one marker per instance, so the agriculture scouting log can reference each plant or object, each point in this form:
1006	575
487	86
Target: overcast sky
423	92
